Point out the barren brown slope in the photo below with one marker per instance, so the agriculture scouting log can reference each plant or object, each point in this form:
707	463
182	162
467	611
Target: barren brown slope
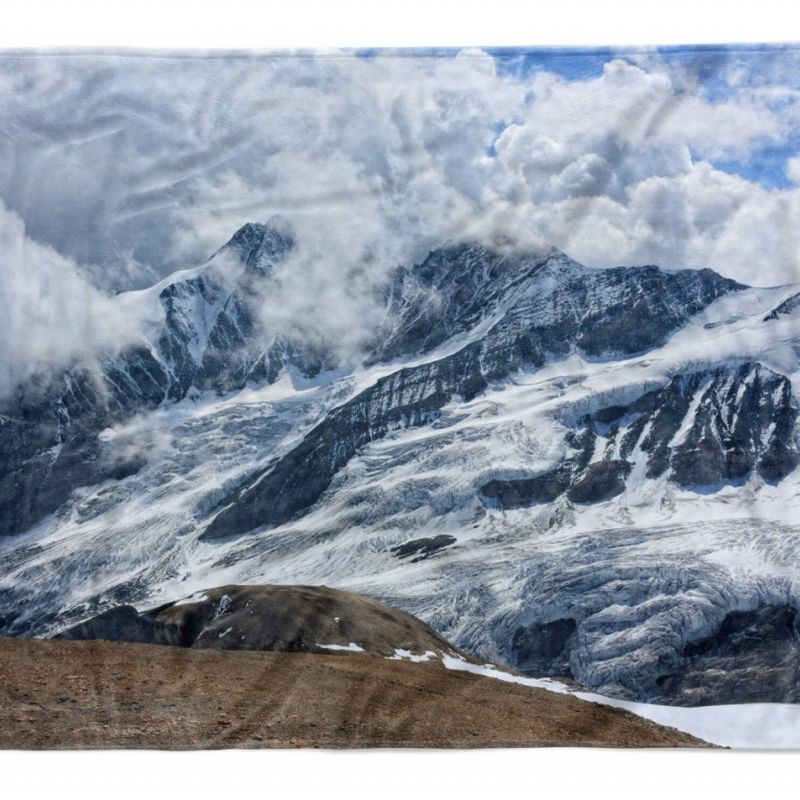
92	694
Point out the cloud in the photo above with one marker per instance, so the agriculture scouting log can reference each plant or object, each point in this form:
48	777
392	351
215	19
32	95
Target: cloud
617	170
134	167
793	169
135	442
701	218
628	108
115	160
51	314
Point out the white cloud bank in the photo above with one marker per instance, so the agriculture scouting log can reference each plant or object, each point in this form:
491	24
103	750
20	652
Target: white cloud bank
50	313
134	167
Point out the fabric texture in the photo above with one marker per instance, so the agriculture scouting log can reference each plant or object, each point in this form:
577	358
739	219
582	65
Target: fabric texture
440	398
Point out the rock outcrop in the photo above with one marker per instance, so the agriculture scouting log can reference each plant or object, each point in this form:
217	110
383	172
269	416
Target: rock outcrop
294	619
703	429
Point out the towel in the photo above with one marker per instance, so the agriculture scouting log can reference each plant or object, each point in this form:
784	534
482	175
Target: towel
400	398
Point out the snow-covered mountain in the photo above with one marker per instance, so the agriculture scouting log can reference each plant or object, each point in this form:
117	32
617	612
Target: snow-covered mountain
583	472
203	334
515	315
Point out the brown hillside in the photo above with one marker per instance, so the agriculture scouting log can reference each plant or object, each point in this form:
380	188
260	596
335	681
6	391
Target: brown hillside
93	694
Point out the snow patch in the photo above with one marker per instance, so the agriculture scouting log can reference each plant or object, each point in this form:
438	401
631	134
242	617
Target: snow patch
197	597
349	648
745	725
407	655
223	605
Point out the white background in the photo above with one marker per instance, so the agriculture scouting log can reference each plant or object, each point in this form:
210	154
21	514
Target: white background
203	24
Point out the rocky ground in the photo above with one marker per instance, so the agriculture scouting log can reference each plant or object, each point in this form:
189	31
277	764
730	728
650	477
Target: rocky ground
95	694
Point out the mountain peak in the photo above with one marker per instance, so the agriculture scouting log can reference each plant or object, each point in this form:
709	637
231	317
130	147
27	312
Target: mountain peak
259	245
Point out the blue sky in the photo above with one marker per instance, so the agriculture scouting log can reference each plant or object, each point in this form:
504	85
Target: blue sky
766	165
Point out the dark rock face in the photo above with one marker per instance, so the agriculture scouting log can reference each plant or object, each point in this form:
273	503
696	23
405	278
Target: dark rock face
754	657
788	306
517	493
598	313
48	445
744	421
258	246
232	353
407	398
551	305
308	619
119	624
703	429
423	548
543	649
720	425
600	481
449	293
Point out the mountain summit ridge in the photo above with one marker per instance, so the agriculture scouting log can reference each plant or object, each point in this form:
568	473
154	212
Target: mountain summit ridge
212	339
